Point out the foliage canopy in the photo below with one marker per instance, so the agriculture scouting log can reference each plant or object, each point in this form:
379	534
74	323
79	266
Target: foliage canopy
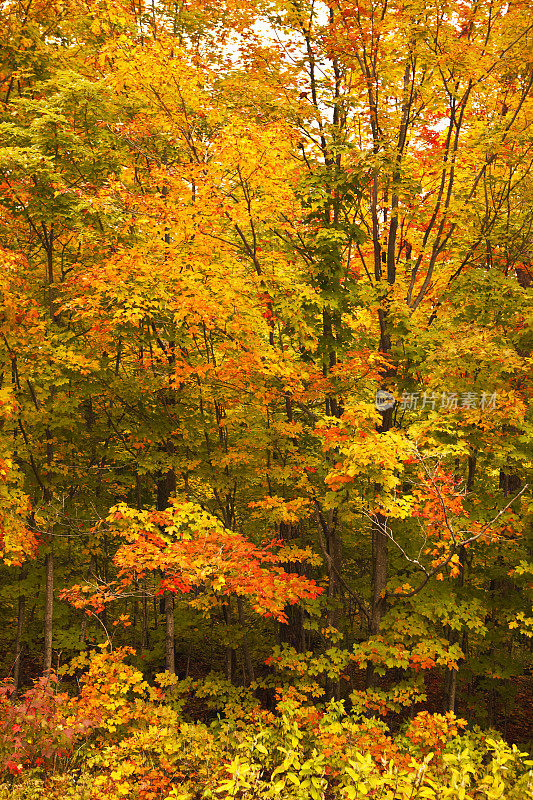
226	229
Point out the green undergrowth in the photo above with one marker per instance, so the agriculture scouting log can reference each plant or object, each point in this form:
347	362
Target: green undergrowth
122	737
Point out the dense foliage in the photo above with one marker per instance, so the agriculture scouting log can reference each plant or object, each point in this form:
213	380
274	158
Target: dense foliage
265	399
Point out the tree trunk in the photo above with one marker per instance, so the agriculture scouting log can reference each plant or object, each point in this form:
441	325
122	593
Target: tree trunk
452	690
18	643
334	543
331	545
145	638
48	611
379	572
169	634
292	632
83	628
166	486
229	664
379	552
230	655
380	555
248	665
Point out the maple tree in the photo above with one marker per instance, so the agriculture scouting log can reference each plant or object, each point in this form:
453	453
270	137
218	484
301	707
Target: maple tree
224	229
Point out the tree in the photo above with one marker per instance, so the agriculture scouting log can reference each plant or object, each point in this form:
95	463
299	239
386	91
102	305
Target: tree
231	252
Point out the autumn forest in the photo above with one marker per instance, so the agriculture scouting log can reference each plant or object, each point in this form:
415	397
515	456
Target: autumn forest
266	520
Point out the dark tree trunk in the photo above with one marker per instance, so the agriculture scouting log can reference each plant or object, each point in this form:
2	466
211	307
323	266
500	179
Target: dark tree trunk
166	487
48	610
248	665
145	638
18	642
379	572
169	633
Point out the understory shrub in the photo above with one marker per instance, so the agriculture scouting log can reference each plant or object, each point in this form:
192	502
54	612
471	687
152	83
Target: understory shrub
122	737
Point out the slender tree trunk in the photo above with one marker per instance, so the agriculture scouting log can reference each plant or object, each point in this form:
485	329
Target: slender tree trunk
169	634
451	684
331	545
230	655
248	665
380	550
145	638
48	610
380	547
379	572
292	632
166	486
452	690
145	641
334	544
83	628
18	643
229	664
